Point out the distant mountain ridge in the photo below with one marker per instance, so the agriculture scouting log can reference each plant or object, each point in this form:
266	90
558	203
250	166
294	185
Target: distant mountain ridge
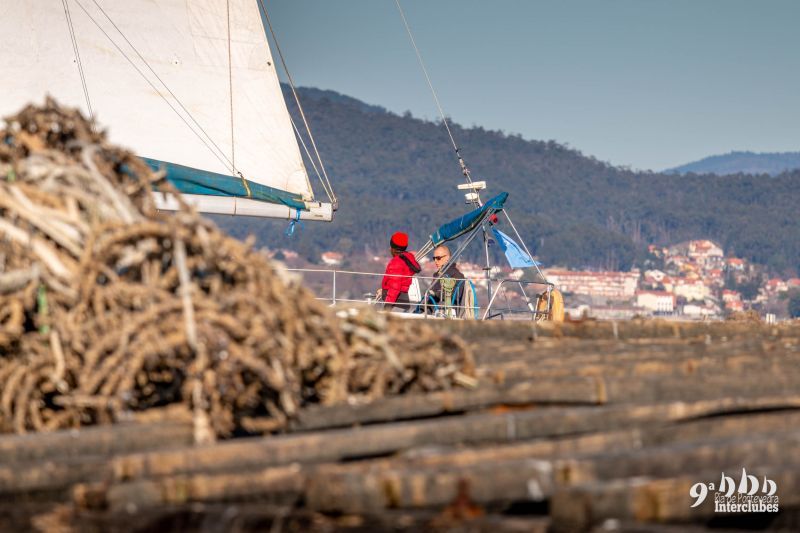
741	163
394	172
333	96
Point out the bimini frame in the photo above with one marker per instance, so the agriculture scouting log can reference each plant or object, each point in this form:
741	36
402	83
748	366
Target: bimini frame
480	221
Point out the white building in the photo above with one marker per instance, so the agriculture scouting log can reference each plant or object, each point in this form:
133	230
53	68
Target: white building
656	275
691	289
332	258
656	301
731	296
706	253
699	311
613	285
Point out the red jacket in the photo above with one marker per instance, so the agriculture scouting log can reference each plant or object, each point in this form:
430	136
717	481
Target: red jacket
403	264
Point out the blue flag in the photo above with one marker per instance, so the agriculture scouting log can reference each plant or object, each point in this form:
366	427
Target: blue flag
517	257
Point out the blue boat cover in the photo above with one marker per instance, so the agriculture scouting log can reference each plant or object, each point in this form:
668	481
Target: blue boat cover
190	180
465	223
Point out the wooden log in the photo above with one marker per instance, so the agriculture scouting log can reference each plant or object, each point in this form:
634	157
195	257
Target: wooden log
578	391
619	330
545	391
383	439
262	516
687	433
101	440
277	486
646	500
58	475
695	388
369	488
371	492
662	461
646	366
604	350
587	352
52	475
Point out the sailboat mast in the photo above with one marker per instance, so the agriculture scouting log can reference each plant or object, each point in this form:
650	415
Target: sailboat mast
474	196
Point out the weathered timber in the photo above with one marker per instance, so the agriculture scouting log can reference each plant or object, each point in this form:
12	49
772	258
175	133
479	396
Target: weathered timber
689	433
692	388
641	499
368	492
101	440
603	351
580	390
620	330
389	438
276	485
642	366
52	475
629	526
359	488
662	461
57	475
263	516
544	391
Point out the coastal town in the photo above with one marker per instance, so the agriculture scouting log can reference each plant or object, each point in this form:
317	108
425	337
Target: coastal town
692	280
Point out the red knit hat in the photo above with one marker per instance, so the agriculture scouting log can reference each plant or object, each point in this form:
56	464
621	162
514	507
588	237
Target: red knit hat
399	241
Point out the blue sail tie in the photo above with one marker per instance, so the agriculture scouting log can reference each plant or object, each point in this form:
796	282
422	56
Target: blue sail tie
293	223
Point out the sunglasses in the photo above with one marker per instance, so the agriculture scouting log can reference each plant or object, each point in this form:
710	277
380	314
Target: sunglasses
440	257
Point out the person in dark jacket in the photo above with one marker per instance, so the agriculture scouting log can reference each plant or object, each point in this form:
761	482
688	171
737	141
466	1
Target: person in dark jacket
399	271
447	291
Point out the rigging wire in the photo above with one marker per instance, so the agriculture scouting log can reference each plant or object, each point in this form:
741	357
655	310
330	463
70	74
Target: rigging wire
310	158
331	197
464	169
219	153
78	61
535	262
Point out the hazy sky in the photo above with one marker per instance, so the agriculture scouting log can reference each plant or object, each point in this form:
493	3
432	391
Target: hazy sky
644	83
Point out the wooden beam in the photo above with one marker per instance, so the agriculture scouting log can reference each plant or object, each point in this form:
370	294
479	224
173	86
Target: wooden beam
648	500
443	431
100	440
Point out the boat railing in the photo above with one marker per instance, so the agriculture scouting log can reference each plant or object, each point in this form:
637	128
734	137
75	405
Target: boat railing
498	298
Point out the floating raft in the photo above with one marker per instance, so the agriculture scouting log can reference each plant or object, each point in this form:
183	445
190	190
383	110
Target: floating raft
572	427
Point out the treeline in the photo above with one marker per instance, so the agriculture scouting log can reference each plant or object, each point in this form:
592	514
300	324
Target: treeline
747	162
395	172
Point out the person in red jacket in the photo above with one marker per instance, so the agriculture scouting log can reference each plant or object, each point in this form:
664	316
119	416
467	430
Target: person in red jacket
397	280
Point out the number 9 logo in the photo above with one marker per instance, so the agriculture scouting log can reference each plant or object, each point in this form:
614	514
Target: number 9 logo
699	491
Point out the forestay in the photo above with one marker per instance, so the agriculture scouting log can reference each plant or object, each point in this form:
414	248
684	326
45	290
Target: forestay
191	83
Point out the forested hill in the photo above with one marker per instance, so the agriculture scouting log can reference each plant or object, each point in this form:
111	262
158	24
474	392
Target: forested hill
742	162
394	172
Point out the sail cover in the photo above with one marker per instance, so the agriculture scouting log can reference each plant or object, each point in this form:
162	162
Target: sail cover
461	225
157	74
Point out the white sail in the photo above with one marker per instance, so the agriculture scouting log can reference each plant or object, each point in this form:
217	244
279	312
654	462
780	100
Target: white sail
157	75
